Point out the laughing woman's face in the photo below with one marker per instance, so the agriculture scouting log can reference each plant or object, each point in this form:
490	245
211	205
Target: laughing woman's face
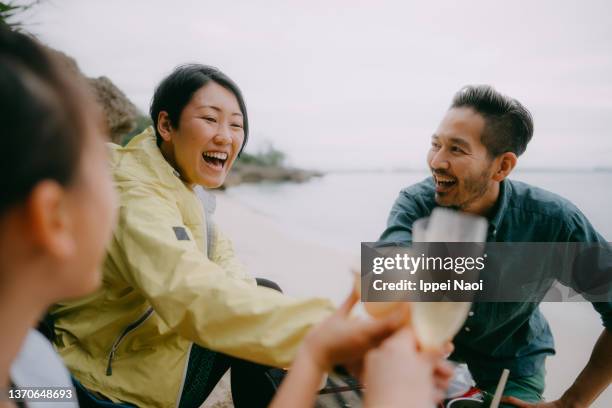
208	138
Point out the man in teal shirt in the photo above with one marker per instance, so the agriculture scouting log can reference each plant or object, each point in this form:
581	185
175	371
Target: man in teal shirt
472	153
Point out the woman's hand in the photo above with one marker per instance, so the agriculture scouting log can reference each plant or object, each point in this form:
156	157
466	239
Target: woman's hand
341	339
396	375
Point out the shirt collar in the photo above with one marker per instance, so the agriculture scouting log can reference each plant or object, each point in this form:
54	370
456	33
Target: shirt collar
505	190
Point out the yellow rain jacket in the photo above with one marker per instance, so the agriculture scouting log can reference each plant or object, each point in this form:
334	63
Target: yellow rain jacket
161	292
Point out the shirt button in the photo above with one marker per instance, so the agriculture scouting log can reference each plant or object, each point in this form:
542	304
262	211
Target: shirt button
467	329
471	314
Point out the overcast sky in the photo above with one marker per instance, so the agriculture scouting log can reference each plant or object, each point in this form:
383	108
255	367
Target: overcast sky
362	84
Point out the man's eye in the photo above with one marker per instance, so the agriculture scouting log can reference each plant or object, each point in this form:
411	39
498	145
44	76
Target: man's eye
435	145
456	149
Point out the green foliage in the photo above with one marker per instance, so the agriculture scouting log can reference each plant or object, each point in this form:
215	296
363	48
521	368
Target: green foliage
269	156
10	9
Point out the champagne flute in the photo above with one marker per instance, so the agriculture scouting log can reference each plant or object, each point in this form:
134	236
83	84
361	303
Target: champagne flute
436	323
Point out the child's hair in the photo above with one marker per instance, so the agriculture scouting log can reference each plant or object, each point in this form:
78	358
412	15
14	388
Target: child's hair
41	117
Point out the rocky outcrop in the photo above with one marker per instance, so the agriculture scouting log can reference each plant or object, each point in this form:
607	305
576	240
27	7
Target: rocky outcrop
120	112
253	173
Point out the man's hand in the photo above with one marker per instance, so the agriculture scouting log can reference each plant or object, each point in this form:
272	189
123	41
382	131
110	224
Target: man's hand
595	378
522	404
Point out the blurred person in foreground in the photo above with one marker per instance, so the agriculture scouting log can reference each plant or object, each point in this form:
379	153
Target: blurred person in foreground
56	209
473	151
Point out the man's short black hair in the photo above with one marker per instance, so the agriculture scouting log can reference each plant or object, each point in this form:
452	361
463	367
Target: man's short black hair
176	90
508	124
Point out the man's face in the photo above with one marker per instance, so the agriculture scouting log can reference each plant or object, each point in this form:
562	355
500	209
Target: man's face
459	162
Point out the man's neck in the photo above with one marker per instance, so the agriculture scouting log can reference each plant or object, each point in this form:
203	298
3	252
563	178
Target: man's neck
485	205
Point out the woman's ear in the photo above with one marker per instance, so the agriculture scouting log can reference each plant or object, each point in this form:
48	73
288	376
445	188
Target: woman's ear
50	220
506	163
164	127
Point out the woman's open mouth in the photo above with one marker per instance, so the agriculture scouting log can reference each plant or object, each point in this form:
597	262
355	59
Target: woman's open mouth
216	160
444	183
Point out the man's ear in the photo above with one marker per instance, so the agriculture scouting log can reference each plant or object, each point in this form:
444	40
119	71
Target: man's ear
50	220
164	127
506	163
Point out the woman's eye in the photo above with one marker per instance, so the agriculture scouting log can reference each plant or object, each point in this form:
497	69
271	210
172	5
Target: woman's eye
210	119
236	125
456	149
435	145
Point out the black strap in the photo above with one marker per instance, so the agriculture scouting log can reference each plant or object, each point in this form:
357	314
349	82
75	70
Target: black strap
20	404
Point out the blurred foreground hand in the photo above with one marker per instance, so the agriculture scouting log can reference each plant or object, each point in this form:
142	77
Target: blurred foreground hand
397	375
343	339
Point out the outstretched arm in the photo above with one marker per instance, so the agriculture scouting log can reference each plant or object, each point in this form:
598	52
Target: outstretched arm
205	301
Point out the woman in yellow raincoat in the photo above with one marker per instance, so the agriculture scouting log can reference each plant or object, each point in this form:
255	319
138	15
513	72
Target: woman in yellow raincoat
172	289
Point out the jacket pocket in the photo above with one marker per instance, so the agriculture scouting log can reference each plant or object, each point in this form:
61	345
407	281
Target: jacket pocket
128	329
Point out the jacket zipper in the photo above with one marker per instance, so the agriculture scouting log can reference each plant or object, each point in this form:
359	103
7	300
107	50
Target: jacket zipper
182	387
132	326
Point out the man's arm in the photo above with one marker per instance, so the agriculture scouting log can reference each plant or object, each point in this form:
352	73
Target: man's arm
595	377
591	382
597	374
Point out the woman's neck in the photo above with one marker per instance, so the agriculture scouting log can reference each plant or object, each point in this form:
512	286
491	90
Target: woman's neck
168	153
19	312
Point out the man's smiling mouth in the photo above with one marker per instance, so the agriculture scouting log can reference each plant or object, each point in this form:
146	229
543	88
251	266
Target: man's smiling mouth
444	183
215	160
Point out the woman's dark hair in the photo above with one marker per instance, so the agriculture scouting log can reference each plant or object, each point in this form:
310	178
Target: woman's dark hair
176	90
41	119
508	124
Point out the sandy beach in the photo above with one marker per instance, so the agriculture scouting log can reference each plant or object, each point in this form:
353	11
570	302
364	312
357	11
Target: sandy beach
304	268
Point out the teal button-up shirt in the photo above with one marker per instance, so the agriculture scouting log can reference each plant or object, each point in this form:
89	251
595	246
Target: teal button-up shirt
504	335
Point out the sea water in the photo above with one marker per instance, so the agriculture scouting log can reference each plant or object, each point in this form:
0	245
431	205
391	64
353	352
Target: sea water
343	209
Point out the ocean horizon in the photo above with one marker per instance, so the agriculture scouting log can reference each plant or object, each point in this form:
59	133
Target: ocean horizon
341	209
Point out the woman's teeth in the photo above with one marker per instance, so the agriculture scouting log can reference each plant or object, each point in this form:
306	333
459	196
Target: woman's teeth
216	155
217	159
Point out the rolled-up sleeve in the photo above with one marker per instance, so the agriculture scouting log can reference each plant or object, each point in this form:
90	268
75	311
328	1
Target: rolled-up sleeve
581	230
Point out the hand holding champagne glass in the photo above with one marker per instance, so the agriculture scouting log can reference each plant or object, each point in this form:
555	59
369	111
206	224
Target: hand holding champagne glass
434	323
